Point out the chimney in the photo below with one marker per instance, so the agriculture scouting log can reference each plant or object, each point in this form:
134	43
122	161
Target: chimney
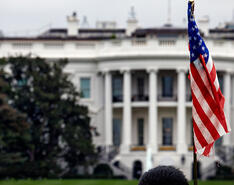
72	25
132	22
204	25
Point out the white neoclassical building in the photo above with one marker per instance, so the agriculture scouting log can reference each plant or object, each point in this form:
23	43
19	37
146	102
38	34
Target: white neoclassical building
135	83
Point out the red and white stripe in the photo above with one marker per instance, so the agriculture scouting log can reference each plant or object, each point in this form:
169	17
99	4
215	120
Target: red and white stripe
209	121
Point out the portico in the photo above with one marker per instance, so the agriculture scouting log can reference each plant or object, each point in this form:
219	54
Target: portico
140	89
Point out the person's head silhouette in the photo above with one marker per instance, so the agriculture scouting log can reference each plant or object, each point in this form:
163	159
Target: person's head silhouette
163	175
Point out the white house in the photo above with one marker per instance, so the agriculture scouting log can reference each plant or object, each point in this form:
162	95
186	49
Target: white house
135	83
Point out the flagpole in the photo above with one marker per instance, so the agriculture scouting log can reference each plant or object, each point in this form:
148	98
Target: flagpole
194	166
194	153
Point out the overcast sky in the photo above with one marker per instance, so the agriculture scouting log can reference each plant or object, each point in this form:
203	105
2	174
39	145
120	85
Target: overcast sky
31	16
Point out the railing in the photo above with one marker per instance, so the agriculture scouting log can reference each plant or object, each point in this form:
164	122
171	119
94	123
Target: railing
108	153
123	168
226	154
188	97
162	97
145	98
167	42
22	45
105	49
138	97
114	151
139	42
209	171
118	98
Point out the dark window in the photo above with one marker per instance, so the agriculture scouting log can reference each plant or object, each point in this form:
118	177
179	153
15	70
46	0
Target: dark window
85	87
192	140
188	89
167	131
220	78
116	132
219	142
117	89
140	86
140	127
167	86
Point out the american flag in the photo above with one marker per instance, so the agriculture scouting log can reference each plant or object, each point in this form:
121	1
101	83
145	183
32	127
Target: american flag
209	122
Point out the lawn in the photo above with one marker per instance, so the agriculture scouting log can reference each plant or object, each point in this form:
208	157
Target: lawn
94	182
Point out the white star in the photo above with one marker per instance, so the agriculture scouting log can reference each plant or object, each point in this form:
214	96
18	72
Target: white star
203	48
198	33
205	55
193	29
195	38
195	26
200	42
192	54
194	47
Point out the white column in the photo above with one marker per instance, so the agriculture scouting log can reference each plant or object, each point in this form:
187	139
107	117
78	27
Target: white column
108	109
181	113
127	112
153	112
227	105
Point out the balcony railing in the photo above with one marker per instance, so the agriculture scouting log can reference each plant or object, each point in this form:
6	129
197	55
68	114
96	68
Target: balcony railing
188	97
117	99
138	98
162	97
145	98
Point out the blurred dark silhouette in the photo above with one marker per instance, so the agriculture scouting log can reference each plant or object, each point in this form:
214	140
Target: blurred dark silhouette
163	175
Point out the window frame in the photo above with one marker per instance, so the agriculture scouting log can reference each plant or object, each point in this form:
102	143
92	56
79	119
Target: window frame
90	87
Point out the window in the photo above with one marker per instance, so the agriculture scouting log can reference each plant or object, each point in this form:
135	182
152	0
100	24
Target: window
117	88
219	142
220	78
167	131
116	132
85	87
140	87
140	127
192	140
167	86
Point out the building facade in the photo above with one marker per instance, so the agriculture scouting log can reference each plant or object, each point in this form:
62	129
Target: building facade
135	83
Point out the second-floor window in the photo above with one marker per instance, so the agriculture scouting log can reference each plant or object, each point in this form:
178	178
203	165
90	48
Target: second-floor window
117	89
85	87
140	87
221	84
167	86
